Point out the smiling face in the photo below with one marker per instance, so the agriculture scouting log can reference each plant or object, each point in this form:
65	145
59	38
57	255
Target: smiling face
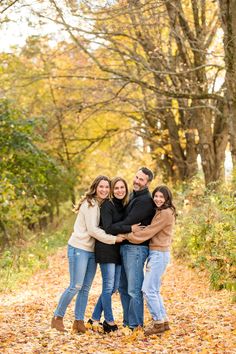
159	199
140	181
103	190
119	190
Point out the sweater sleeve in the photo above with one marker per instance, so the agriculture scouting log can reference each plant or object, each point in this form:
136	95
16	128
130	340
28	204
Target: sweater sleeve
141	210
159	222
91	219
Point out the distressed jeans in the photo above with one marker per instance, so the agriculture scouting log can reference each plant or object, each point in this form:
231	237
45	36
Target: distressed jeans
156	266
132	262
82	268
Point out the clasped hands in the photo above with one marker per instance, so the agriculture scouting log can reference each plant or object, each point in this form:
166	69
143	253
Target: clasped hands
134	228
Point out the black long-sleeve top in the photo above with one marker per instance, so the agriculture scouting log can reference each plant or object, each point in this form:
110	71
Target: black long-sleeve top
111	212
140	209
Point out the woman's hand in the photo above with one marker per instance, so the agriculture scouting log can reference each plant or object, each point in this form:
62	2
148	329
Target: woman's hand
137	227
120	238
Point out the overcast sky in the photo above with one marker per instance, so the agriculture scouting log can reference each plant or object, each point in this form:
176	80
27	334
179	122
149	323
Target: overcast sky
15	32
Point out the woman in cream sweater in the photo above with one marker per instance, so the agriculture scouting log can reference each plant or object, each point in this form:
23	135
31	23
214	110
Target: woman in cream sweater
160	232
82	265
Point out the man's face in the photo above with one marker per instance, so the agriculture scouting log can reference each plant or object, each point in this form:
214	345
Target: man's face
140	181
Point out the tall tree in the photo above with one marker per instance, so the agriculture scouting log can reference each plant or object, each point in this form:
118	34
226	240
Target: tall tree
227	10
193	44
170	41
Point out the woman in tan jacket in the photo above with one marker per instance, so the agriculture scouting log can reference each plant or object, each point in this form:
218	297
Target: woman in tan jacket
160	232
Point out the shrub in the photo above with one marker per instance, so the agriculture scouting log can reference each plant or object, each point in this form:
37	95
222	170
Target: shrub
205	235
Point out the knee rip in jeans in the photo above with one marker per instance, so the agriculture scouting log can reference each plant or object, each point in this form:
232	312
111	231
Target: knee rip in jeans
150	293
148	267
78	286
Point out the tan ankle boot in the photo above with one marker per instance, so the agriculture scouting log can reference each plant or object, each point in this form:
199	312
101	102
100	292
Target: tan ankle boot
57	322
78	326
155	328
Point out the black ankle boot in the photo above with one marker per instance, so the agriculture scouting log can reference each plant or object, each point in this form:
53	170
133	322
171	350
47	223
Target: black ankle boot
109	328
91	322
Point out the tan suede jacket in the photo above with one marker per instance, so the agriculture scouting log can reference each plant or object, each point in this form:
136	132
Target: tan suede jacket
159	231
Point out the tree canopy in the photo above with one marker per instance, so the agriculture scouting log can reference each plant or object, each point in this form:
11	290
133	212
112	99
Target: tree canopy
113	86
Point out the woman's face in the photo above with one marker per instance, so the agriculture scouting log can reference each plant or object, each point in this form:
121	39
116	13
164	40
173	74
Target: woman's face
159	199
103	190
119	191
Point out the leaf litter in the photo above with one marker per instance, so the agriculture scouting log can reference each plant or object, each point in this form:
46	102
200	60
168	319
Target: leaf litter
202	320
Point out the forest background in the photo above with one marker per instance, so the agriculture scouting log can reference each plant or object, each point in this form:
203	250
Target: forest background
104	87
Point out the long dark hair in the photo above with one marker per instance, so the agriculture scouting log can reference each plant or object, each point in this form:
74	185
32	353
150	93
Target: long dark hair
91	193
113	183
168	198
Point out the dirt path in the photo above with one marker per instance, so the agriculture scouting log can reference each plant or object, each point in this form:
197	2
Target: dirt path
202	321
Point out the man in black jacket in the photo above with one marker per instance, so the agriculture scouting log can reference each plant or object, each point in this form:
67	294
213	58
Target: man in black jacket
141	210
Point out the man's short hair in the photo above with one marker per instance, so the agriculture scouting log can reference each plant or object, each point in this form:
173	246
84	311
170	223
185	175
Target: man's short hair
147	172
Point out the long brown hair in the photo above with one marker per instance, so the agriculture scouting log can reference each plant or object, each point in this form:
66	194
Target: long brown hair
91	193
113	183
168	198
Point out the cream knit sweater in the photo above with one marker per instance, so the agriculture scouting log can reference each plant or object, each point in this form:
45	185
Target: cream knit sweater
86	228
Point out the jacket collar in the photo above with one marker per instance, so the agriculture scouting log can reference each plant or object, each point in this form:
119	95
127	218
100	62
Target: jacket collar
142	192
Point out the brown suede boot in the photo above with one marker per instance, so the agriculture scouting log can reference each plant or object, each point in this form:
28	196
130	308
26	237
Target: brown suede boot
79	327
57	323
155	328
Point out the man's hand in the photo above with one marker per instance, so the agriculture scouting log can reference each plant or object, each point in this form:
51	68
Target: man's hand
137	227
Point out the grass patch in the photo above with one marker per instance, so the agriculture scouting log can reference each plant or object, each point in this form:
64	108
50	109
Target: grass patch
22	261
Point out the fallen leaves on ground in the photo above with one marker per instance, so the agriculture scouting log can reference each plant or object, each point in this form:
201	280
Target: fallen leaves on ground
202	320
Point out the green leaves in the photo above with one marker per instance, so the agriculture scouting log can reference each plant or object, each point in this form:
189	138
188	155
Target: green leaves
205	235
31	183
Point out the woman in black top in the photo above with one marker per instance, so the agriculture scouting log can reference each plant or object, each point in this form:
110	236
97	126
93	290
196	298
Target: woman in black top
108	256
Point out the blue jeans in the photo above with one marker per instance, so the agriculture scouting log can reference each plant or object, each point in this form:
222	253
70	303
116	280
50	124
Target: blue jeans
133	258
110	283
156	265
82	267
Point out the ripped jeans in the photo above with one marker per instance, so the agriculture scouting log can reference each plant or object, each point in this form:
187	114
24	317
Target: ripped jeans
82	267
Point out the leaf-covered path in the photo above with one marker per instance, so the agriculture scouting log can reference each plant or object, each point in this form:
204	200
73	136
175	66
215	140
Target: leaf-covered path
202	320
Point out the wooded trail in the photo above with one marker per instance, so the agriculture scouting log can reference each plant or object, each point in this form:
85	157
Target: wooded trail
202	320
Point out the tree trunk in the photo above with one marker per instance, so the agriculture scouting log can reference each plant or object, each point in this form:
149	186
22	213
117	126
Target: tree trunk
187	120
191	154
206	148
212	145
220	140
5	238
228	20
177	151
